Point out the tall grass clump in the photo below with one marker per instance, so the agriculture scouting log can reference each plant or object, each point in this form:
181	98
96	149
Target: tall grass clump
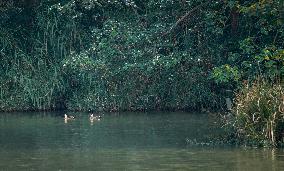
31	77
259	114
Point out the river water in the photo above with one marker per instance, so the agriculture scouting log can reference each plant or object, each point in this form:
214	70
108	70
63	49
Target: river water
125	141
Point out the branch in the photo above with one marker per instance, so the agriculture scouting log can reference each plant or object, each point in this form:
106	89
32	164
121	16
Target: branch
188	14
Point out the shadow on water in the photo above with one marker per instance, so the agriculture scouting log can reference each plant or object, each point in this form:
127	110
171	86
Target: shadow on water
127	141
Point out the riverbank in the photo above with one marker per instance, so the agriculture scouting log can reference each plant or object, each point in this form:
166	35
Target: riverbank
145	55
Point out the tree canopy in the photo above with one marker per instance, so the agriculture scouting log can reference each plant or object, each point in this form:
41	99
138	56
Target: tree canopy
135	54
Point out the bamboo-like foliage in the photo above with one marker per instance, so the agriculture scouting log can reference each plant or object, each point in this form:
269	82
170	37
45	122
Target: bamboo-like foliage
31	77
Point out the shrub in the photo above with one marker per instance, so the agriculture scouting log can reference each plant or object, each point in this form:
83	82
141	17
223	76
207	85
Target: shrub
259	114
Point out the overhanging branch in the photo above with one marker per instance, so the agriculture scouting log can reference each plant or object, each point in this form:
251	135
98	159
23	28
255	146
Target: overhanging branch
187	15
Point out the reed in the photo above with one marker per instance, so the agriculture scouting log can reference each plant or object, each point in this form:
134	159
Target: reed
31	74
259	114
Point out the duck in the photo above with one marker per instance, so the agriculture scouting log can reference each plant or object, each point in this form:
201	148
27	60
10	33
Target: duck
92	117
68	117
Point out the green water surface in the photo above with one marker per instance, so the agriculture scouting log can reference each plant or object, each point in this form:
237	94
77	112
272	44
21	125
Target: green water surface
125	141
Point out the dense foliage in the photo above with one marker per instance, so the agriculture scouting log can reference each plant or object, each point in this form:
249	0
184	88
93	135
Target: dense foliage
135	54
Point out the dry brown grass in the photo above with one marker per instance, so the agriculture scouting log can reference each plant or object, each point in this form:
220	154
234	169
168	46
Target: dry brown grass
259	113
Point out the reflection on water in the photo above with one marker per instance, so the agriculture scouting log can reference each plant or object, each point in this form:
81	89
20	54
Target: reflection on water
129	141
